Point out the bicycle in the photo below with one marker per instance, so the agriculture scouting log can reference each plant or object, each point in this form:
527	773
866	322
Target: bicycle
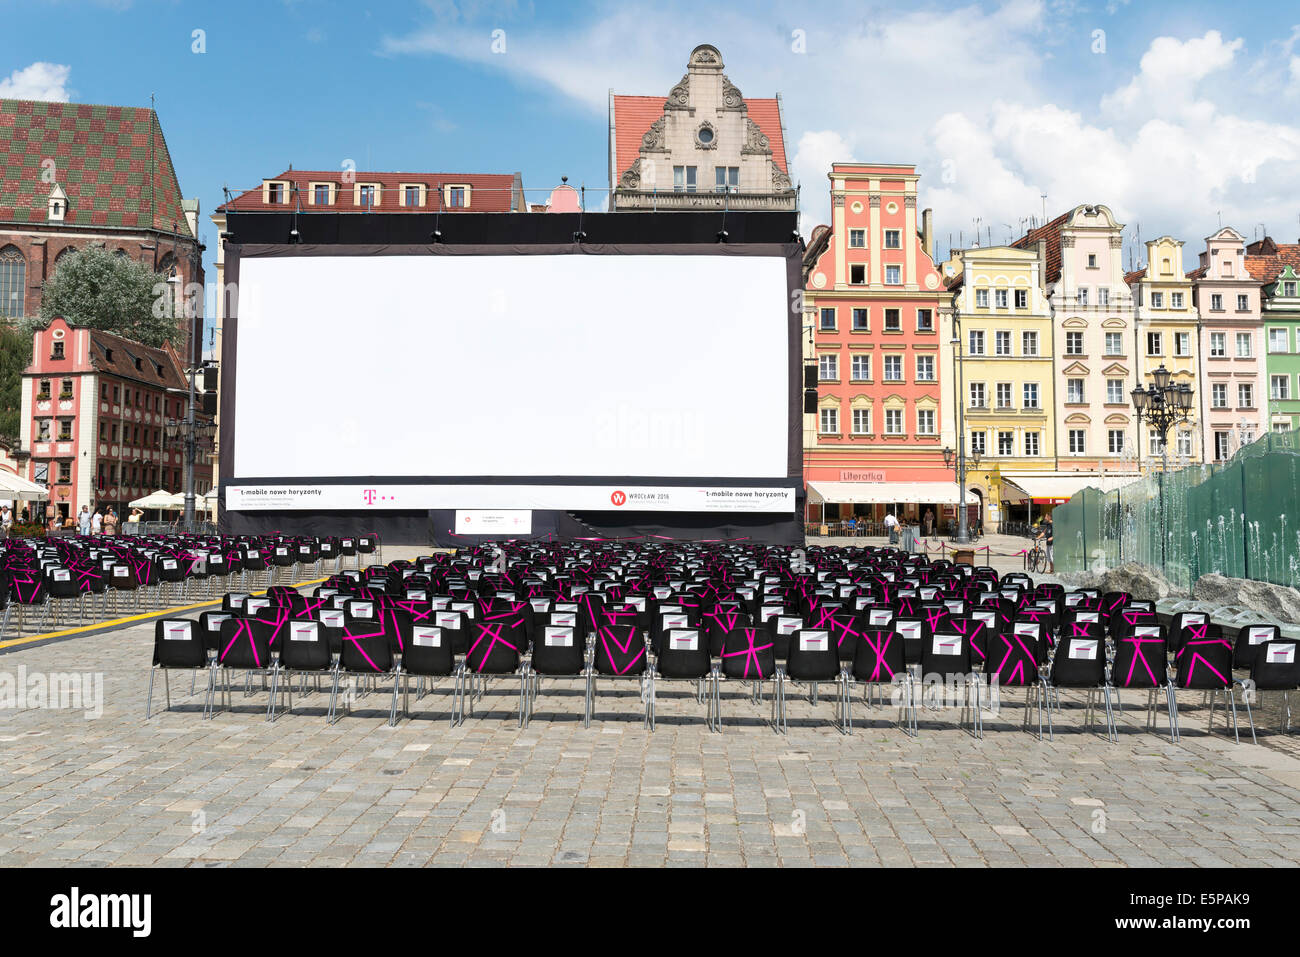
1036	559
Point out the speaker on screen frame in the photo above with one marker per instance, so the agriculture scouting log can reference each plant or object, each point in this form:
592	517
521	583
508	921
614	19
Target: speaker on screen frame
809	401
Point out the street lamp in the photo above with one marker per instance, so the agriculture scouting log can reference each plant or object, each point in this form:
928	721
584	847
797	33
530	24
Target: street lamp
1162	404
963	529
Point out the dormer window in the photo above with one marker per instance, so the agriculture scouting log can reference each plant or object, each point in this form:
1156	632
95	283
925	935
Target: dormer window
321	194
412	195
57	210
456	197
366	195
275	191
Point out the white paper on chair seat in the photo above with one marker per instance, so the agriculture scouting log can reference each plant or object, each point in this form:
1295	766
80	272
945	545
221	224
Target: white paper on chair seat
61	575
253	553
1087	616
953	606
121	571
361	609
1193	618
464	606
880	616
637	602
947	645
745	593
540	604
788	626
1084	648
862	601
557	637
254	605
907	593
1282	654
214	622
282	551
1073	598
887	576
575	590
674	621
302	631
687	639
304	549
566	606
768	611
347	543
1012	593
426	636
439	604
180	631
474	575
506	595
1257	636
566	619
216	559
332	619
928	593
670	609
909	630
417	594
447	619
169	564
1147	631
1026	629
237	598
340	600
662	592
814	640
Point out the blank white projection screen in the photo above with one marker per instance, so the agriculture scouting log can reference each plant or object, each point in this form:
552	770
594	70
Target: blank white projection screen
575	365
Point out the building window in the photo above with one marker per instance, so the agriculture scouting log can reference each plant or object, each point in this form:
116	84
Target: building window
1279	339
684	179
321	194
1074	343
1279	387
1031	443
860	320
411	196
925	368
981	298
56	349
65	389
1030	395
858	238
1245	349
1083	295
1114	344
1155	344
1221	446
366	196
458	196
893	275
893	320
1074	391
830	421
13	282
1000	298
1006	443
1029	343
65	472
893	368
1154	442
861	368
828	367
1243	303
1022	298
1157	300
1076	440
975	341
1184	442
924	320
1175	300
861	421
858	274
65	430
275	192
1003	393
1092	260
1182	344
1115	441
828	320
977	395
893	239
1216	302
1288	289
1218	345
893	421
1245	395
43	391
977	443
42	430
1282	426
1002	343
726	179
1103	295
1115	391
1219	396
925	421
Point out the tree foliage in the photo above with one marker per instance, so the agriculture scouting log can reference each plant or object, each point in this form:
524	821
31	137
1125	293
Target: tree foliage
96	289
15	355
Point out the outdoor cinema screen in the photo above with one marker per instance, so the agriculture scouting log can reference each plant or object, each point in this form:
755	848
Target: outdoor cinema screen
508	368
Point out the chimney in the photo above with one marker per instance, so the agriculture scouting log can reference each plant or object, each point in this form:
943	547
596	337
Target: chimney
1042	263
927	232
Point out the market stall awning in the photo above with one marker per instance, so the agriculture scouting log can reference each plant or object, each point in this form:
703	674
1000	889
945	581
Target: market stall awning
15	487
887	493
1019	487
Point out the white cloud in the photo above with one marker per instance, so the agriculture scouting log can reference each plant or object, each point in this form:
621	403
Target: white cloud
40	81
1170	70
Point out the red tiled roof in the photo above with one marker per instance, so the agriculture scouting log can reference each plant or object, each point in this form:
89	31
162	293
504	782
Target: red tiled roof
489	192
1198	273
1051	232
633	115
124	354
1134	276
112	161
1268	262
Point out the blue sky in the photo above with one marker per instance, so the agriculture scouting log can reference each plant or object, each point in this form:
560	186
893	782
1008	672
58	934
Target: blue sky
1173	114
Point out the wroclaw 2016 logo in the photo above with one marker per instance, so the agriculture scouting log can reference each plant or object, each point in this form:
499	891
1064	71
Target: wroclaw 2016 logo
618	497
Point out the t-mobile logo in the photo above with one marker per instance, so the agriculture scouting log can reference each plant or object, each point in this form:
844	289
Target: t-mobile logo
369	495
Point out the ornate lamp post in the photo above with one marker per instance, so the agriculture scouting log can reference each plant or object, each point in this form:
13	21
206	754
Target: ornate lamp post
958	460
1162	404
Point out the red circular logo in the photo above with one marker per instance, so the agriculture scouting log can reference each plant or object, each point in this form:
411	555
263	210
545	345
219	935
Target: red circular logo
618	498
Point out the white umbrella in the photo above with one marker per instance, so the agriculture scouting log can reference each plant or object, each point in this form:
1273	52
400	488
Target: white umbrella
15	487
161	500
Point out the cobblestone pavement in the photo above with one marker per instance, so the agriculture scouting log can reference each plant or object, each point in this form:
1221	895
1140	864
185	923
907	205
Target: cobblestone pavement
183	791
